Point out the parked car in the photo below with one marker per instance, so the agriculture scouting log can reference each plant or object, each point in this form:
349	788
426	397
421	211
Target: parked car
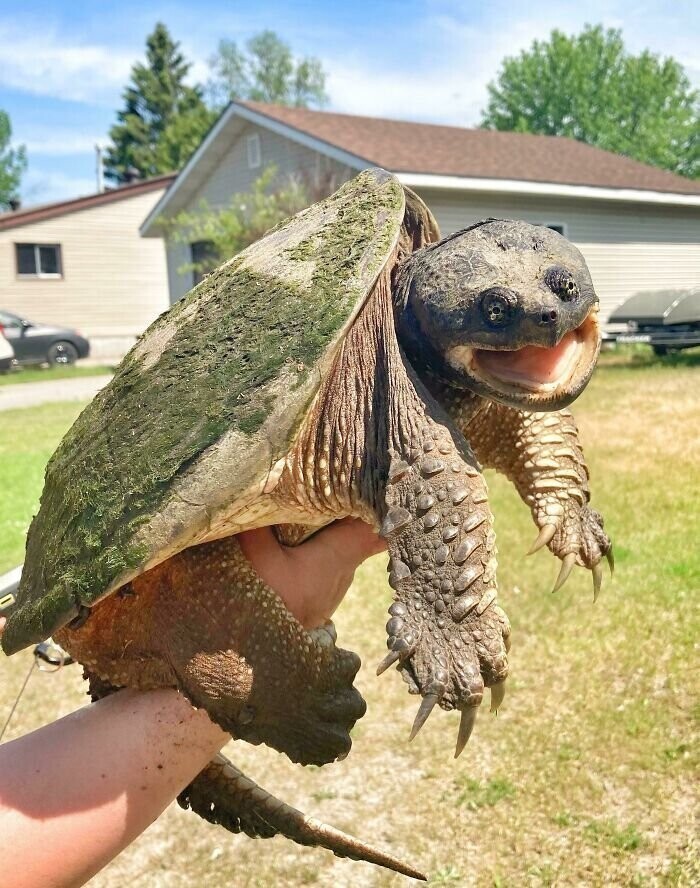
664	319
7	355
35	343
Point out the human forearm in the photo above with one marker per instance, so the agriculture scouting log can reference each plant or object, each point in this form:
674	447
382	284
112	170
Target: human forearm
74	793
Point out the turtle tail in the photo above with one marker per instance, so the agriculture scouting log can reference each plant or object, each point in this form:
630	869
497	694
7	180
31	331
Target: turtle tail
223	795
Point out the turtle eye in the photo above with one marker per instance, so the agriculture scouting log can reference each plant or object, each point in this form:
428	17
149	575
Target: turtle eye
498	306
561	282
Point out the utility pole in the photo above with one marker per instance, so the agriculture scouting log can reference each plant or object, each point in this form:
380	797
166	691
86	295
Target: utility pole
99	169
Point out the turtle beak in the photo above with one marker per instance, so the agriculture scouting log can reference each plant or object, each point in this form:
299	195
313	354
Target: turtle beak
544	376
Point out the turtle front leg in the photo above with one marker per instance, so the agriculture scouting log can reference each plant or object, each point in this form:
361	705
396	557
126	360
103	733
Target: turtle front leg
542	455
378	446
446	634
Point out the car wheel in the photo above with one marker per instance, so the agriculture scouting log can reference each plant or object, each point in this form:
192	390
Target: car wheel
660	350
61	353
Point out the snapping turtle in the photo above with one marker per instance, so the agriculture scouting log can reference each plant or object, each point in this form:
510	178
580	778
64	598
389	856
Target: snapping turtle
347	364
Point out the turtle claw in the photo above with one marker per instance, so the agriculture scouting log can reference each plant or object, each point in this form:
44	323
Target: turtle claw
544	538
597	571
391	658
466	726
326	635
428	703
610	557
498	692
567	566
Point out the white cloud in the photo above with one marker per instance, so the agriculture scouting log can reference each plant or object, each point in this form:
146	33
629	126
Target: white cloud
447	85
62	143
442	77
50	64
39	187
46	64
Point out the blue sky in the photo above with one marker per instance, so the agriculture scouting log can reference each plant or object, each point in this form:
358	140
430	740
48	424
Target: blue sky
63	64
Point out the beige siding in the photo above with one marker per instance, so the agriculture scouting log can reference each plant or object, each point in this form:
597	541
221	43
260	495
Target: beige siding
628	247
114	281
291	159
233	176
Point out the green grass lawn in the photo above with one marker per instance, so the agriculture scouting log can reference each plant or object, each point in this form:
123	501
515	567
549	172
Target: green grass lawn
587	777
28	437
45	374
635	356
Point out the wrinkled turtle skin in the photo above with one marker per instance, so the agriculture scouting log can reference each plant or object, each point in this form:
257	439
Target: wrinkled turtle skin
347	364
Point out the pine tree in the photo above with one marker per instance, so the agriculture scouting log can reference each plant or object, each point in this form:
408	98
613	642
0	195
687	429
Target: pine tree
13	162
163	119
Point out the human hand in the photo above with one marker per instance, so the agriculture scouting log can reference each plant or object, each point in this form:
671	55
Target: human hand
312	578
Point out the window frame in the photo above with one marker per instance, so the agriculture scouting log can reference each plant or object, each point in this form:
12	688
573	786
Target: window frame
205	250
254	151
15	320
555	226
39	274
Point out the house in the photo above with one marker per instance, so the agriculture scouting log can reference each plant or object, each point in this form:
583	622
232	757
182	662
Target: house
83	264
637	226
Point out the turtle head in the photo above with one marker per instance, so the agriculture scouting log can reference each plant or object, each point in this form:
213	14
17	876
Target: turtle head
505	309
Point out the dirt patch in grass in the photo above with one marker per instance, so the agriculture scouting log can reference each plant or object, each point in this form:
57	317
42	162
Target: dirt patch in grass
587	775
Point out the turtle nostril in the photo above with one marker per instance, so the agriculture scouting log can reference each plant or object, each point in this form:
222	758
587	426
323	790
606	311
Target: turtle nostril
549	316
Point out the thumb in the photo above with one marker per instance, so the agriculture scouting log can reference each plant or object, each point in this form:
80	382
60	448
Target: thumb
350	540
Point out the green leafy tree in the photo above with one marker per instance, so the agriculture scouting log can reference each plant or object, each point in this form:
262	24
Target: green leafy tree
266	71
163	120
588	87
13	162
246	217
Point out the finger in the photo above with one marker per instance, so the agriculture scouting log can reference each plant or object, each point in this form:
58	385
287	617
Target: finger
349	540
281	569
312	578
325	566
262	548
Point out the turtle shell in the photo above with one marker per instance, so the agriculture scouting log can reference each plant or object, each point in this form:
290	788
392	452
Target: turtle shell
203	405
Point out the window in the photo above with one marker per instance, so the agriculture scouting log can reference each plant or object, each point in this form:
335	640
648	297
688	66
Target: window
204	259
39	260
254	151
559	227
10	321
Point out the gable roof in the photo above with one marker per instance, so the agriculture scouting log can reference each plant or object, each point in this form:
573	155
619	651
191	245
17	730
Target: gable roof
25	216
402	146
432	156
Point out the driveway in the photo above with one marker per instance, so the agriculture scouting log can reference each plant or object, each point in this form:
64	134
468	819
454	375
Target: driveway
31	394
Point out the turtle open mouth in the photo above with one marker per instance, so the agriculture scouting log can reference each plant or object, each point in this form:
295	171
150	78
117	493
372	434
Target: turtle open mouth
536	371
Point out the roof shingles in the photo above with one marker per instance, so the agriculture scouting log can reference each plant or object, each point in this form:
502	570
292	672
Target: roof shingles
403	147
41	212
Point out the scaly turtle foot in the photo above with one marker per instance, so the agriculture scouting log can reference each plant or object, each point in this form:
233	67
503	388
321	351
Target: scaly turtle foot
446	634
574	533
